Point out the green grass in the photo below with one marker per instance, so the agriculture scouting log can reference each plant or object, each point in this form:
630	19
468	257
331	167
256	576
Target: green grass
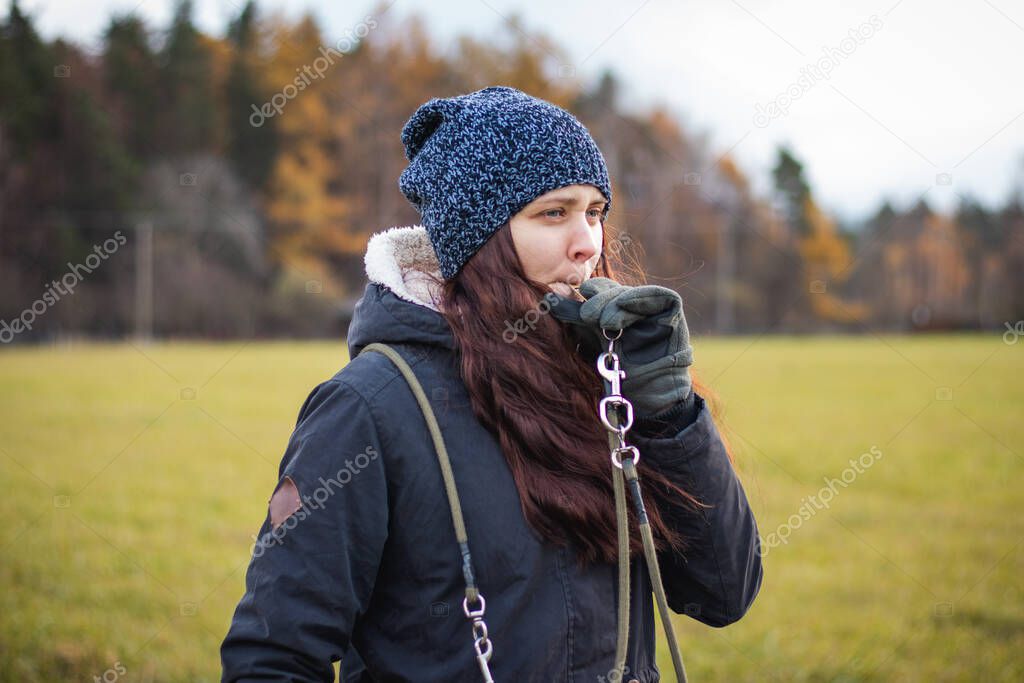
130	506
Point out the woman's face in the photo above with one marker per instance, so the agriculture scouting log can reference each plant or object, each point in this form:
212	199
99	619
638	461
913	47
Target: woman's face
558	236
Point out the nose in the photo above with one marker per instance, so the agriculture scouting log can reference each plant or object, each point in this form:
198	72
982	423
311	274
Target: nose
582	247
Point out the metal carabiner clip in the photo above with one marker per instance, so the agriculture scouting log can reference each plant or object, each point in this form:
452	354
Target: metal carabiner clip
613	374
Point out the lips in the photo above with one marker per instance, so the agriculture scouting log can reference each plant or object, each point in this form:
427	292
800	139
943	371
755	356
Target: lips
565	289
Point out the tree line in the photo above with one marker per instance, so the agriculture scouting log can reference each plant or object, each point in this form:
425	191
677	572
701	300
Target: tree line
247	171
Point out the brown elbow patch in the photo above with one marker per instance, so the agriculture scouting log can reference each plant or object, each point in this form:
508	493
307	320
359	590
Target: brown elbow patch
284	503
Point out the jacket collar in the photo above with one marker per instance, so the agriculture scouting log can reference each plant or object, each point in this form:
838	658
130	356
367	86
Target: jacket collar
403	260
402	302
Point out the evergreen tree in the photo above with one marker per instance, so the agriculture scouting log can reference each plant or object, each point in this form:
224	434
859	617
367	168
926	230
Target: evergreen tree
132	82
27	83
190	114
252	142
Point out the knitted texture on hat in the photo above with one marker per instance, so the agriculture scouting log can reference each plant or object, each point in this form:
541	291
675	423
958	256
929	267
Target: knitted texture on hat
475	160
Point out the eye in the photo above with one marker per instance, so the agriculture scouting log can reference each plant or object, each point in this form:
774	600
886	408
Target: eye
596	213
550	211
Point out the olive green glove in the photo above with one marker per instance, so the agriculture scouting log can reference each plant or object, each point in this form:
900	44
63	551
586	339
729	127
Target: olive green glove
654	348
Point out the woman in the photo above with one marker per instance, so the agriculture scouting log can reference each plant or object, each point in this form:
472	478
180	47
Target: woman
500	302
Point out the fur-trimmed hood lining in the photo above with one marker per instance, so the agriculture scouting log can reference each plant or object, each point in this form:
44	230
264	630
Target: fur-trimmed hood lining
403	260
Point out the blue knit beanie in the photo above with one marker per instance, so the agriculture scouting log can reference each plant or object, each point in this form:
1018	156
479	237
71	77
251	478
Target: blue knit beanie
475	160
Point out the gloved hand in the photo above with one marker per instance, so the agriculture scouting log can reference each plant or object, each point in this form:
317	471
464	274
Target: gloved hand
654	348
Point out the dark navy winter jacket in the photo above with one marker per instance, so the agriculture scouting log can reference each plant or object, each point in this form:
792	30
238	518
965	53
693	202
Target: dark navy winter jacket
368	570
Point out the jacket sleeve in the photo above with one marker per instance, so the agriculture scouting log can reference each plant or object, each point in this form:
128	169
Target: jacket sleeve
718	576
311	577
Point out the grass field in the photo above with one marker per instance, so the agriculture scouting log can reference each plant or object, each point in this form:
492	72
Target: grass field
133	479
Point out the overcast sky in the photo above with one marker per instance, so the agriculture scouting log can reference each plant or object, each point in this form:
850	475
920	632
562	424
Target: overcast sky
921	96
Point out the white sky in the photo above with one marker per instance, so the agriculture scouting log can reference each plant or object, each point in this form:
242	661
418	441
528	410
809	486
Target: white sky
936	88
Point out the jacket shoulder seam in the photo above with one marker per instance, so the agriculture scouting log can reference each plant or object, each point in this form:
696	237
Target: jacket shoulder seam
396	374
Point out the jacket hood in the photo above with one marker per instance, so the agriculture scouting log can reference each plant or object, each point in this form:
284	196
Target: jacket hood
401	303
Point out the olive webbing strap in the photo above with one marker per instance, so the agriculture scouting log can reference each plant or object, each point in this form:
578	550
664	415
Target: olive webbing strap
629	473
442	457
622	529
629	470
482	644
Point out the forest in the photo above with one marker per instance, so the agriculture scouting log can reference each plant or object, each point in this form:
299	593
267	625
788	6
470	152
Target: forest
245	172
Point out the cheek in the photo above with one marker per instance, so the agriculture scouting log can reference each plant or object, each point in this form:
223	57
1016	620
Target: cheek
598	239
521	242
548	252
533	259
537	248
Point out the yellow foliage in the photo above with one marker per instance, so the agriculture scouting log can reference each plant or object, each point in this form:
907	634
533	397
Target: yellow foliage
308	217
824	252
826	258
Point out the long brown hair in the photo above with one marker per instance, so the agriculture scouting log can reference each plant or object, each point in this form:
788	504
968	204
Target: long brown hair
539	396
